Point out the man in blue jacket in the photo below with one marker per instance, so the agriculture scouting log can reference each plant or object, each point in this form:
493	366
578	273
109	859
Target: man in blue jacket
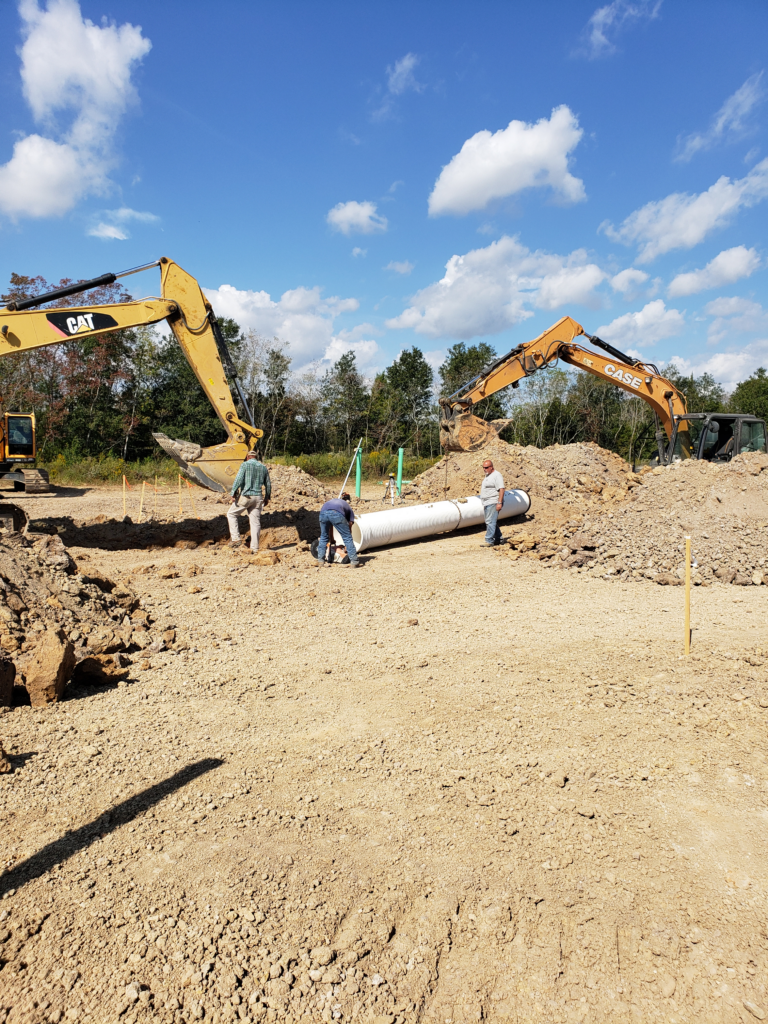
337	512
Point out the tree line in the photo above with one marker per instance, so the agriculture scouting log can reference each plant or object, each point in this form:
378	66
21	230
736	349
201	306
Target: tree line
106	394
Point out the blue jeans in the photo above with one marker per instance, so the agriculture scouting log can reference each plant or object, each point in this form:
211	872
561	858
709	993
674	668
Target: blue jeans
492	532
337	519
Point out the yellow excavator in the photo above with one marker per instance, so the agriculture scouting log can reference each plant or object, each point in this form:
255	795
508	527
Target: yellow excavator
679	434
18	453
193	323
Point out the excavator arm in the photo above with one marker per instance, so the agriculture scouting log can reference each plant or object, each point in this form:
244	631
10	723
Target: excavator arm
194	325
462	431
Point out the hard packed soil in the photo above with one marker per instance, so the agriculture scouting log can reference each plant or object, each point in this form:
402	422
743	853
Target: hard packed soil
453	785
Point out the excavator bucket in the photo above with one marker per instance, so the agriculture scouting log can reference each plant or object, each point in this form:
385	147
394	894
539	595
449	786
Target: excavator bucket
463	432
214	468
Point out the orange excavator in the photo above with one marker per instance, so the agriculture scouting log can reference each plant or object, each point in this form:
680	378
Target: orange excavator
679	434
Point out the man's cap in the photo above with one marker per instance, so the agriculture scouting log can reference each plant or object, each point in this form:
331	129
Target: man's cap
254	454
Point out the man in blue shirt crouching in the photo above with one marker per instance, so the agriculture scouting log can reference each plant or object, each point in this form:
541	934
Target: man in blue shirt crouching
337	512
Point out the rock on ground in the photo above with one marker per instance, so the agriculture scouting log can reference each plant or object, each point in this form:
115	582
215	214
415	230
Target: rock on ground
50	668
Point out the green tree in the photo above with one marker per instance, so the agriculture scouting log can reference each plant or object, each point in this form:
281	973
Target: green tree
461	365
346	402
409	379
751	395
384	413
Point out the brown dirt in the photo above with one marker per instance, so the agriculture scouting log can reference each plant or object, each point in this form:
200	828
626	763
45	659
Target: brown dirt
524	807
569	474
722	508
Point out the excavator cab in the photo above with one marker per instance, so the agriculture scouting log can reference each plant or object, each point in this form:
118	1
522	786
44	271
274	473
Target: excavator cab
19	431
17	455
717	437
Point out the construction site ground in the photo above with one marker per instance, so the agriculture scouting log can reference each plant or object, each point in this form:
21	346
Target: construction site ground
450	786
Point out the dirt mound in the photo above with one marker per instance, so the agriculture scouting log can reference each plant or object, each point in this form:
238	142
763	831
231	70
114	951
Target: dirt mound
571	474
723	507
96	623
291	486
42	595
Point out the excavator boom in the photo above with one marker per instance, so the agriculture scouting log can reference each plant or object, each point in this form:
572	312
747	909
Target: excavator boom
460	430
194	325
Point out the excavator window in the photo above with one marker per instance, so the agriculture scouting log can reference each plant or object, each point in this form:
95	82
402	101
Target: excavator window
752	438
20	436
722	447
711	440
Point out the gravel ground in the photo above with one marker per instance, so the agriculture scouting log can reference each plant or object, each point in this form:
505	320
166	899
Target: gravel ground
446	787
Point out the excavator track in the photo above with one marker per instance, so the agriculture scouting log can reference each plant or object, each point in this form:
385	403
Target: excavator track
36	481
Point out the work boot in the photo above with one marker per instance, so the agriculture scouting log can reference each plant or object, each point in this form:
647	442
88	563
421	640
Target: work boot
351	565
235	543
321	562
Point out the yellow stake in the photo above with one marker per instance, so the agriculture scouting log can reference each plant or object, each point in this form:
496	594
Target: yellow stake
141	504
687	595
181	511
125	511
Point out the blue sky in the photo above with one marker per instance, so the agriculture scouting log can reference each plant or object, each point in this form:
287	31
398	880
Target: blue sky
377	175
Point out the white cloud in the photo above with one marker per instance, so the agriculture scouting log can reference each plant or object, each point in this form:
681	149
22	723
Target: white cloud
488	290
354	217
734	315
301	316
400	77
731	305
728	266
436	357
492	166
365	351
681	221
609	20
68	64
729	122
405	267
113	226
628	281
730	367
357	251
44	178
650	324
108	231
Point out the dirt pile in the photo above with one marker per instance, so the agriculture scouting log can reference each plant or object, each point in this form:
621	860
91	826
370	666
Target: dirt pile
58	623
571	474
723	507
291	487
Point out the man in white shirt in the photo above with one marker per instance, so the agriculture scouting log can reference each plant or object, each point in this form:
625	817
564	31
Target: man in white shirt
492	497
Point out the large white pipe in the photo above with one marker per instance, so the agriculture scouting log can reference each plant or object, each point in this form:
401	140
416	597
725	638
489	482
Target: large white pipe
374	529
